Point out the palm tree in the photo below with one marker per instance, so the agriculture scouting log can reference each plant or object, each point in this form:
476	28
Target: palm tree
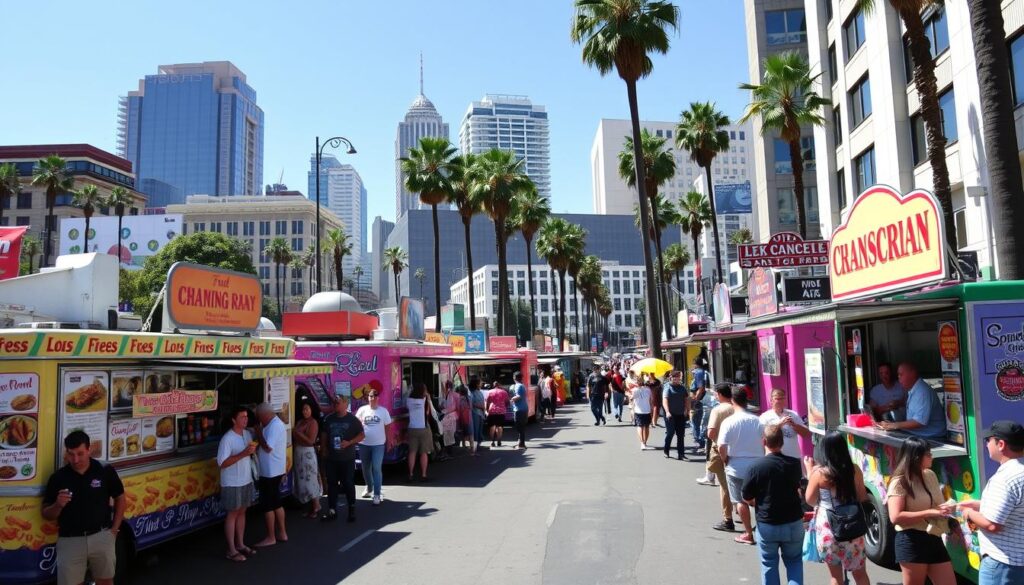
396	260
558	242
577	241
997	115
10	185
426	172
419	275
51	173
309	261
337	245
532	210
659	167
701	131
280	253
460	193
741	236
497	177
588	279
88	198
677	257
30	249
348	283
119	198
358	272
694	215
786	100
619	35
662	215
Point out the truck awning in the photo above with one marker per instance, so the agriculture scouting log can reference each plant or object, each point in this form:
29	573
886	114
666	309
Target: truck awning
478	360
255	369
852	311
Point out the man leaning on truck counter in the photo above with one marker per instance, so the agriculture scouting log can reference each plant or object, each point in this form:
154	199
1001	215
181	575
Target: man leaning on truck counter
888	395
925	417
78	497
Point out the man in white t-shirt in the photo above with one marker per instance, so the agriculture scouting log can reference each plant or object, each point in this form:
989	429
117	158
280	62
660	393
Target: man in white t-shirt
739	444
999	515
272	456
789	421
640	400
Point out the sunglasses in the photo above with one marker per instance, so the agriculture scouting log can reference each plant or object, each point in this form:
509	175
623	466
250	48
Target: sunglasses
374	395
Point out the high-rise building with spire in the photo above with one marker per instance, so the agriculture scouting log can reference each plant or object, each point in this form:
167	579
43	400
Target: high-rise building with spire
421	120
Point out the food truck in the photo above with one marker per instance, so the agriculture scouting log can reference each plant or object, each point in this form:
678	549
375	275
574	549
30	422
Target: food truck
892	303
495	367
154	406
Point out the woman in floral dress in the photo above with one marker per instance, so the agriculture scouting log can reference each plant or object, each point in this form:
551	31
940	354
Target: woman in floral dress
831	482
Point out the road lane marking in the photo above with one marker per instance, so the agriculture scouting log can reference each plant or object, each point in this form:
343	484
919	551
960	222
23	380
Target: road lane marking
355	541
551	515
495	461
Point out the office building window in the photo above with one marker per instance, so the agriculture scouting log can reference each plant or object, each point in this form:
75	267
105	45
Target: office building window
1017	69
264	272
198	227
281	227
947	115
783	161
864	165
785	27
787	205
264	228
937	30
853	33
22	220
216	227
297	288
248	228
24	201
860	101
545	322
543	287
628	304
828	10
629	320
837	125
296	244
232	228
296	273
521	285
617	303
615	287
264	242
833	65
841	188
543	305
297	226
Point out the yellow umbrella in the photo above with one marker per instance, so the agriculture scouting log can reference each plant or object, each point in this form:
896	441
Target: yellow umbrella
651	366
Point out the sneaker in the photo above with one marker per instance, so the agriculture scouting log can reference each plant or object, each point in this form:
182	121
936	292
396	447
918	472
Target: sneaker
725	526
707	482
366	493
376	500
329	516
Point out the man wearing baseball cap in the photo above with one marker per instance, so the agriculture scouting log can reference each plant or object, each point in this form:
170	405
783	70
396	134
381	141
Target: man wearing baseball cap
999	516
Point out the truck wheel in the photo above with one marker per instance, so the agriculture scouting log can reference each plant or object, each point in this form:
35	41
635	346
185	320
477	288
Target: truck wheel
880	540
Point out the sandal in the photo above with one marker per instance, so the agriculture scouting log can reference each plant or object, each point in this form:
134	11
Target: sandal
236	556
744	539
247	551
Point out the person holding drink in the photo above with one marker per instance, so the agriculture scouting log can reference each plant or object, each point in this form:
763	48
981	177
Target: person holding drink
236	489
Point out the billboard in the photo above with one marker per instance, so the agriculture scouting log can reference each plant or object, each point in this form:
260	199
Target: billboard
410	319
733	198
10	251
141	236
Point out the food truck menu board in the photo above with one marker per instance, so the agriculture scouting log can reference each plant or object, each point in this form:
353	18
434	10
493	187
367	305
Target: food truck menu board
814	375
84	401
953	394
998	349
19	425
137	437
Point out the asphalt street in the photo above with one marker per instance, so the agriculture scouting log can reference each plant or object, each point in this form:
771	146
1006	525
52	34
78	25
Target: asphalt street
582	505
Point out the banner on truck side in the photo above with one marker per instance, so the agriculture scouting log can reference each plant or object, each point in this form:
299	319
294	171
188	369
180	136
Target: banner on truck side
10	251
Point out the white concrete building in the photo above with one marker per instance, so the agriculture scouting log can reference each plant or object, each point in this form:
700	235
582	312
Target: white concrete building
256	221
626	286
342	191
613	197
510	122
875	135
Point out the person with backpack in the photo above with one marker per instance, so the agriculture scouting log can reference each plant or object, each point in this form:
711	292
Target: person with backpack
836	486
618	387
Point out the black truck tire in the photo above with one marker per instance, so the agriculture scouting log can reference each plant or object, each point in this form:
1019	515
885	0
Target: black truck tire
880	540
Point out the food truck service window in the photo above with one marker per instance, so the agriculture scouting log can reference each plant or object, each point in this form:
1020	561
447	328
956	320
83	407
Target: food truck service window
874	353
740	365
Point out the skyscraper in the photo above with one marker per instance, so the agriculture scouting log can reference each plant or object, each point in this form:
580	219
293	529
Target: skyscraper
342	191
420	121
379	278
510	122
193	128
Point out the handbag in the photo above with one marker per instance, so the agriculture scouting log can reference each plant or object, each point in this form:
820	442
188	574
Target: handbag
810	552
847	522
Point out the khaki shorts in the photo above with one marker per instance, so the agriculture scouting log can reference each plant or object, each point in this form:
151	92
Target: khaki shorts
76	554
421	441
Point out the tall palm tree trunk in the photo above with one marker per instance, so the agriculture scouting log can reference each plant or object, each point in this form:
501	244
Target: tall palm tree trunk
499	236
662	292
714	222
653	327
120	217
927	91
50	219
87	221
277	287
469	273
561	309
437	271
576	310
529	280
1000	136
679	290
799	201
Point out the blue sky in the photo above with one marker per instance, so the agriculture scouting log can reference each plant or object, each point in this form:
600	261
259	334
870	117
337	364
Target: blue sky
351	68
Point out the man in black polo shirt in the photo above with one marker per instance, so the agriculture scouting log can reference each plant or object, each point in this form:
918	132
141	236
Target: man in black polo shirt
771	486
78	497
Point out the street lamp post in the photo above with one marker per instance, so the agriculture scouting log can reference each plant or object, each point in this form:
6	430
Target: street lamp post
334	143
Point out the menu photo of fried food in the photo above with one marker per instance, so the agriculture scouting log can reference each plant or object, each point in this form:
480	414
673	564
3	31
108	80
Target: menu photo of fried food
7	471
89	394
159	382
17	432
124	385
149	443
23	402
165	427
116	448
132	443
